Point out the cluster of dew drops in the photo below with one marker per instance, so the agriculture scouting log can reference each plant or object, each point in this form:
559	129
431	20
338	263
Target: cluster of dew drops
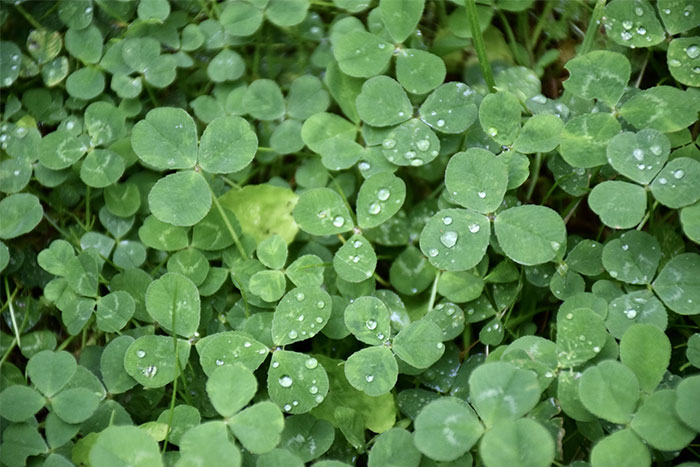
450	237
287	382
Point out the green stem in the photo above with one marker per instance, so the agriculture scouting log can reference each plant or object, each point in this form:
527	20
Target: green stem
479	45
9	350
512	42
593	27
647	215
544	19
229	227
433	291
12	311
534	175
28	17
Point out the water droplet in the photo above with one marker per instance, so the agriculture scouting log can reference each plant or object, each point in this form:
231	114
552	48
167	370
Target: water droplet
300	296
219	363
285	381
416	162
641	31
21	132
355	259
423	145
389	143
638	154
667	11
369	378
381	46
673	62
638	11
474	228
596	349
320	304
383	194
293	334
447	220
140	353
374	208
70	125
319	399
449	238
625	36
482	194
246	344
401	114
441	123
492	131
662	181
409	155
433	252
275	364
678	174
540	99
440	345
627	24
363	166
696	69
150	371
338	221
313	390
300	318
570	316
371	324
631	313
656	150
287	407
641	166
625	247
311	363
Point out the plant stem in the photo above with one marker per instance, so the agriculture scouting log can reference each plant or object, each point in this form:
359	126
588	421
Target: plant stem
593	26
544	16
30	19
479	45
229	227
534	175
12	311
433	291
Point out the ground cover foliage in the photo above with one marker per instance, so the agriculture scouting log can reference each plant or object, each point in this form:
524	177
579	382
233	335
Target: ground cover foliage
350	232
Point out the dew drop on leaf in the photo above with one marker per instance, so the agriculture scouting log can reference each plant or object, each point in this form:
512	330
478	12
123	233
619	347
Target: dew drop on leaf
371	324
338	221
449	238
369	378
140	353
474	228
311	363
150	371
383	195
285	381
374	208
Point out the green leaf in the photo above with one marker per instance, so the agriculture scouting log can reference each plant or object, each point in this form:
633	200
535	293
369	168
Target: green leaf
500	391
306	270
383	102
411	143
610	390
166	139
600	74
18	403
19	441
584	139
674	185
300	315
355	260
367	318
190	263
687	403
227	65
522	442
50	371
268	285
499	115
258	427
153	10
139	53
11	60
662	108
419	344
342	87
541	133
306	436
321	211
620	205
287	12
394	447
620	449
55	258
241	19
272	252
156	234
4	256
455	239
657	423
306	97
418	71
150	360
114	376
683	57
678	15
103	122
690	220
451	108
632	258
476	179
636	307
380	197
372	370
85	83
75	405
109	451
678	284
208	444
181	198
173	302
633	23
220	382
530	234
114	310
296	382
228	145
101	168
646	350
446	428
640	156
20	213
362	55
230	347
580	336
401	18
14	175
85	44
264	100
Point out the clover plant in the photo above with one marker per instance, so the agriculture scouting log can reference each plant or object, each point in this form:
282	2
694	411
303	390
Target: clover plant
350	232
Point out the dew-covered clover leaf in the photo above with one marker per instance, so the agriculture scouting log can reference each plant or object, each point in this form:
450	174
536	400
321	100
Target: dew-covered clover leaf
355	261
296	382
635	307
380	197
321	211
419	344
173	301
20	213
633	23
620	205
683	59
662	108
477	179
401	17
151	362
678	284
383	102
610	390
166	139
411	143
499	115
300	315
361	54
418	71
501	391
600	74
367	318
446	428
581	336
632	258
584	139
455	239
451	108
530	234
372	370
230	347
675	185
639	156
